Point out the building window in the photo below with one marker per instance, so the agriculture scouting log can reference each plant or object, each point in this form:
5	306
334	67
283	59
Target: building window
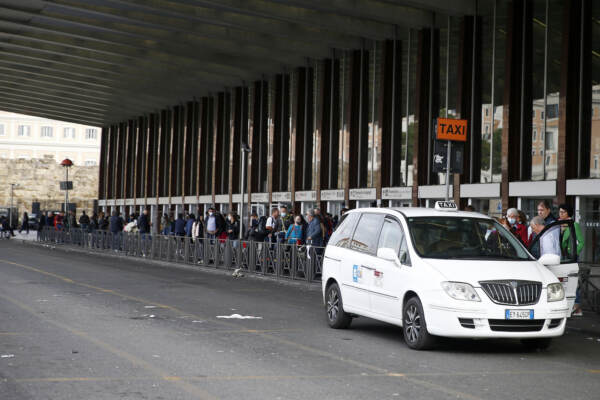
487	112
24	130
90	163
548	160
69	133
533	152
543	135
534	135
1	129
542	116
541	152
91	133
46	131
595	162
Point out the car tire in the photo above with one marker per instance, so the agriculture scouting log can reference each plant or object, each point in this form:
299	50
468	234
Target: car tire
337	318
414	326
536	344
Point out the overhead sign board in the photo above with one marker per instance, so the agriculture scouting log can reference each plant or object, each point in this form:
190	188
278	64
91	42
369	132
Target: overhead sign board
452	129
332	195
363	194
306	195
281	197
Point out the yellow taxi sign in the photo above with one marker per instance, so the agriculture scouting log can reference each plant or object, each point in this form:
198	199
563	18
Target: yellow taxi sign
446	206
452	129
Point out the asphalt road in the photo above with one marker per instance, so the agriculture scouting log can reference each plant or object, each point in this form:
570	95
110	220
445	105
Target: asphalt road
77	326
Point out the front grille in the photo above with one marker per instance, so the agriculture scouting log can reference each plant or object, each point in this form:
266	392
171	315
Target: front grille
467	323
554	323
512	292
527	325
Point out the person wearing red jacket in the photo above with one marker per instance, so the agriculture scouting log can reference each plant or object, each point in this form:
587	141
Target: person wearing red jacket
517	227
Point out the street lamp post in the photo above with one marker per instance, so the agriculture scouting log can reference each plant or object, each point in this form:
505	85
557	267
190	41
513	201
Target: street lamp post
10	211
66	163
245	151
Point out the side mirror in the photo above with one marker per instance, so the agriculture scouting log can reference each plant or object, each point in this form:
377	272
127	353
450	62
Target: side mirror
549	260
388	254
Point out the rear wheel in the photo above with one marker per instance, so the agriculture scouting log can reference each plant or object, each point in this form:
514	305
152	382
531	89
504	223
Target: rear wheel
536	344
414	326
336	316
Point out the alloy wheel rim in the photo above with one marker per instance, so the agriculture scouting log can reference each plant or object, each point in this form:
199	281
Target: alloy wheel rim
412	323
333	304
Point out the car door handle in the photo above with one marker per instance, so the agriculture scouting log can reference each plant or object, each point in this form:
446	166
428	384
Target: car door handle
368	268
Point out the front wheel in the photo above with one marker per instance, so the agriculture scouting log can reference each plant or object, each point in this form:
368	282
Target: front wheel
337	318
416	335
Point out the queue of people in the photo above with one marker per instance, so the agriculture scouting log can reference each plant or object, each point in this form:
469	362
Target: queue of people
555	240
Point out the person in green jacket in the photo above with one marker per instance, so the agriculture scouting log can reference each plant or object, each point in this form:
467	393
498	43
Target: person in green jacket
565	211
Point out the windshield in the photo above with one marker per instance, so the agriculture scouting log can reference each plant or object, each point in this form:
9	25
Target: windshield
464	238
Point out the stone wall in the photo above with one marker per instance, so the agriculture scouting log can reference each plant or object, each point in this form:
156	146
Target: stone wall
39	179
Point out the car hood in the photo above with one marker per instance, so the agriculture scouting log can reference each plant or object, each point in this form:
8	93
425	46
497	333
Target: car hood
475	271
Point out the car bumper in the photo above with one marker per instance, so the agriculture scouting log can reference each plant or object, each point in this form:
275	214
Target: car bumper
480	320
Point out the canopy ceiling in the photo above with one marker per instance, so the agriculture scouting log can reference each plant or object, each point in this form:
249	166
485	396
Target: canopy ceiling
97	62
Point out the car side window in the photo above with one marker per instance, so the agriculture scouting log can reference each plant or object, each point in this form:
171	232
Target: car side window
391	235
342	236
367	232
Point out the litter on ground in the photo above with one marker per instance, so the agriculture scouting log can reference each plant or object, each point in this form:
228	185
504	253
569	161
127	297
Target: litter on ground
237	316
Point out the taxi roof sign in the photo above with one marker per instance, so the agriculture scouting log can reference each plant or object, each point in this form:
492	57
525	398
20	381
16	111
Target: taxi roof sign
446	206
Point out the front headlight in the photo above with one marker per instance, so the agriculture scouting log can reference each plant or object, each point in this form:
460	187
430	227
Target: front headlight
460	291
555	292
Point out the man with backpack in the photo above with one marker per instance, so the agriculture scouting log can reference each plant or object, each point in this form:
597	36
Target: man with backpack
273	226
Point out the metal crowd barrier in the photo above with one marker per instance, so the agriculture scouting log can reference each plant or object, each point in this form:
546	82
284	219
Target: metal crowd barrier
589	276
261	258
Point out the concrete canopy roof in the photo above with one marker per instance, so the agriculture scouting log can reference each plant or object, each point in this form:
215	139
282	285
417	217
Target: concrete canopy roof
98	62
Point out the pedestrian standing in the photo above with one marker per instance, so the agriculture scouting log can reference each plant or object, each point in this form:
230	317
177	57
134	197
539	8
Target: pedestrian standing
273	226
41	225
295	234
189	224
565	211
314	232
25	223
232	227
84	221
116	229
516	227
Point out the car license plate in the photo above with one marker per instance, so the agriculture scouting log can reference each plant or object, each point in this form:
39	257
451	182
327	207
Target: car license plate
519	314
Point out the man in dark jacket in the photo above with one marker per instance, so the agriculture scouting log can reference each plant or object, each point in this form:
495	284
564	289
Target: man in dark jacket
143	224
84	221
116	229
314	233
179	225
189	223
41	225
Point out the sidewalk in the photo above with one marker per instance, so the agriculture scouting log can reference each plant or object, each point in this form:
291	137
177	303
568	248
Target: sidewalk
588	324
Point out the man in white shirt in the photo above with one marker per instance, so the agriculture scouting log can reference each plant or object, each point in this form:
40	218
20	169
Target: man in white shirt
273	226
550	240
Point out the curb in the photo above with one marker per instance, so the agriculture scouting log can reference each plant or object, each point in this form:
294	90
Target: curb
311	286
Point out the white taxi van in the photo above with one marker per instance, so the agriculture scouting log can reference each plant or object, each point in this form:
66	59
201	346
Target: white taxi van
444	272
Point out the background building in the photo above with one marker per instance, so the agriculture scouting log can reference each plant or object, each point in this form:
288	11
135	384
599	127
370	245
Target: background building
31	149
28	137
